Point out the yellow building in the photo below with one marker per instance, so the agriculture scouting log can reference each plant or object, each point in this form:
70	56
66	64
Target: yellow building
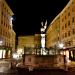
29	43
62	29
5	29
67	29
25	42
67	24
52	33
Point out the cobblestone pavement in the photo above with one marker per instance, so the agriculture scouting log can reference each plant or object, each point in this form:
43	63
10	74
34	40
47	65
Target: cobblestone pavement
38	72
45	72
9	72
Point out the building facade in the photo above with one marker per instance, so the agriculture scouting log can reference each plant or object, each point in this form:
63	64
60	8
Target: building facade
25	43
62	29
29	43
52	33
5	29
67	29
67	24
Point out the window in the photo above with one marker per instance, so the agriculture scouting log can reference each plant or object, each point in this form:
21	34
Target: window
65	43
65	25
68	22
62	20
73	31
2	13
65	17
69	43
68	33
72	19
4	23
65	34
69	14
73	2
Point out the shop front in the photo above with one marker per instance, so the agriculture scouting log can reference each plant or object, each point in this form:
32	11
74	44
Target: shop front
5	52
72	54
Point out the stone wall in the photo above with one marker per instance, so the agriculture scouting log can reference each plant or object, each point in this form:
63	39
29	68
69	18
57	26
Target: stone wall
44	61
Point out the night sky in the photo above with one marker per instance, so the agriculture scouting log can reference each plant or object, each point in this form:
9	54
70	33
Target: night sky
30	13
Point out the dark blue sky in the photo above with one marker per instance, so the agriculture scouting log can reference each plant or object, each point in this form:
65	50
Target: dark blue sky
30	13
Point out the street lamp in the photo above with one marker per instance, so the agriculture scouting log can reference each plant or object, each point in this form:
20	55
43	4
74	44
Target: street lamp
1	42
10	20
61	45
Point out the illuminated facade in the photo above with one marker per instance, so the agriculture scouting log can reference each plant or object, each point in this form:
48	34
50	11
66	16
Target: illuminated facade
67	27
62	29
26	42
5	29
52	33
30	43
67	24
